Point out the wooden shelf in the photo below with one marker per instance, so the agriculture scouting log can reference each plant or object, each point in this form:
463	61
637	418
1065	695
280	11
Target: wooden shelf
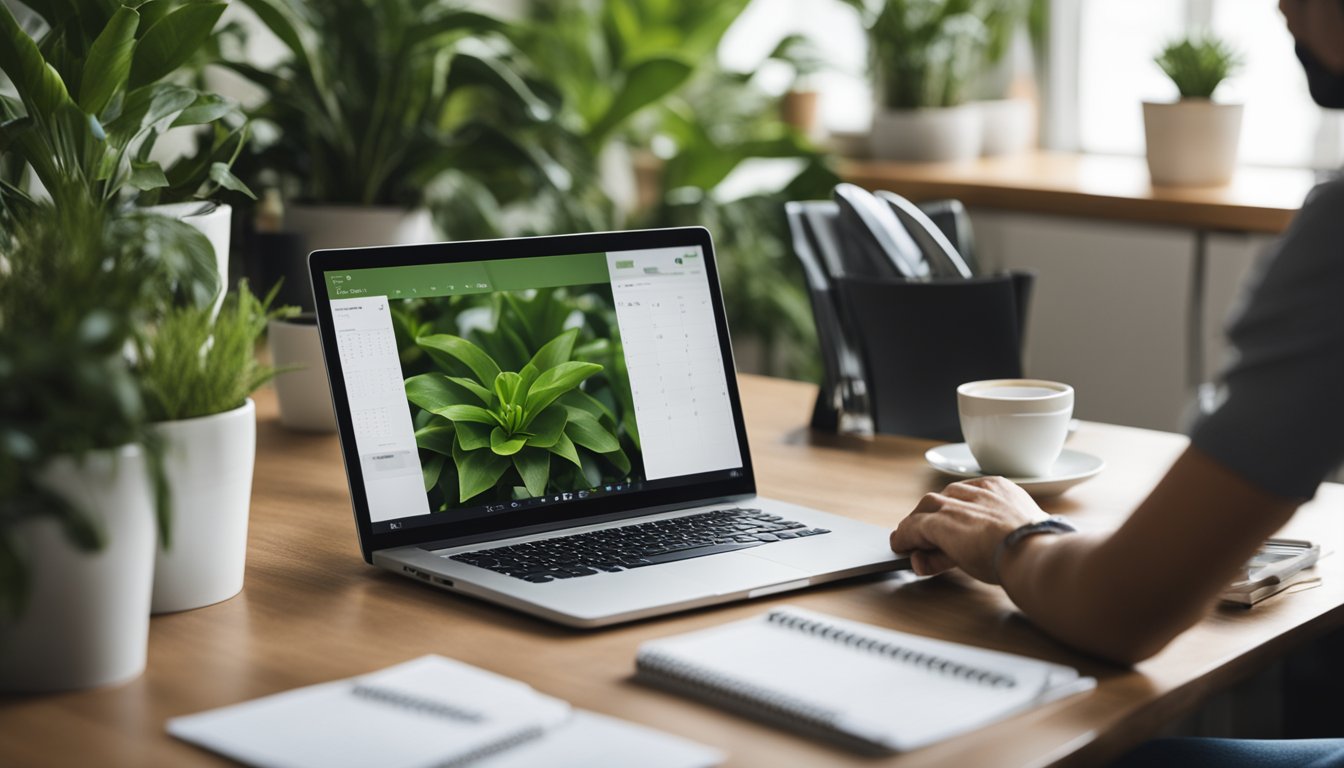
1096	186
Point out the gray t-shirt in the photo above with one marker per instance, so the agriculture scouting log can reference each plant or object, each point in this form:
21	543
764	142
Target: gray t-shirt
1279	417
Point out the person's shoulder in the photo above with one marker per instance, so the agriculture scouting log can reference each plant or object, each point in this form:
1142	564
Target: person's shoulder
1325	198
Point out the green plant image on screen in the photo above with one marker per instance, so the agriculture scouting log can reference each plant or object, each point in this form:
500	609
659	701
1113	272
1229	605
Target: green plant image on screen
517	394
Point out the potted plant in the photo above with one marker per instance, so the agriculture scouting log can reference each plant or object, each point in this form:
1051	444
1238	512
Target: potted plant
798	106
96	92
197	372
78	466
923	53
376	100
1193	141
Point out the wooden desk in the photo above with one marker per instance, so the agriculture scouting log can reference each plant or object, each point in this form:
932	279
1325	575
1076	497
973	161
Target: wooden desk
312	611
1096	186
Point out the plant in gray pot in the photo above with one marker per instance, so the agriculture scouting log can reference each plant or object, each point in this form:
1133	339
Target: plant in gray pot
79	467
97	89
1193	141
374	102
198	372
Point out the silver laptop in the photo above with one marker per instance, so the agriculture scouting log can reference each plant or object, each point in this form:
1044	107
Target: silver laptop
553	424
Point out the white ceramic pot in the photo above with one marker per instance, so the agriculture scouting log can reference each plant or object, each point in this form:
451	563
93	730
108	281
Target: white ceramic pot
935	135
87	618
1007	126
352	226
215	221
303	392
209	464
1191	143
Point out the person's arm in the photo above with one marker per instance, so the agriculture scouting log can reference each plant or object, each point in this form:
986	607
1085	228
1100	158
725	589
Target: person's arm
1122	596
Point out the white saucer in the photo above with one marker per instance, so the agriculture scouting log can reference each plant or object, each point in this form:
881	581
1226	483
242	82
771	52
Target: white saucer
1071	468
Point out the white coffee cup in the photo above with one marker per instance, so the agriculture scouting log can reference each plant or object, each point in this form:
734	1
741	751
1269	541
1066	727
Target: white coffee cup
1015	427
302	390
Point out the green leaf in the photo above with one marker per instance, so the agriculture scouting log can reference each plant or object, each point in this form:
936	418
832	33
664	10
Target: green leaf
619	458
487	71
506	387
586	402
433	391
436	437
478	471
476	389
534	466
38	83
585	430
446	345
504	445
547	426
172	40
207	109
555	351
221	175
145	107
564	448
432	469
146	176
647	82
469	413
551	384
109	62
472	436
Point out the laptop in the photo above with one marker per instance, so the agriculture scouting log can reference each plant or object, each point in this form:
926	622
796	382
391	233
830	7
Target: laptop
553	424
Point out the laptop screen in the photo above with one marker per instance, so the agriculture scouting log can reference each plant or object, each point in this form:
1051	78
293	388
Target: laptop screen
479	389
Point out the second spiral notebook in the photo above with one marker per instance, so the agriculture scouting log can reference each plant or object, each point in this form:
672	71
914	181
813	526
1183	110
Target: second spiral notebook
871	689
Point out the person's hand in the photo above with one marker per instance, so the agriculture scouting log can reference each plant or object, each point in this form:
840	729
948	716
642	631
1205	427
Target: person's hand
962	526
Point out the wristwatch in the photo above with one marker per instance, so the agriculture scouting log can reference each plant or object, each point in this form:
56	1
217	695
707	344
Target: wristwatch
1050	525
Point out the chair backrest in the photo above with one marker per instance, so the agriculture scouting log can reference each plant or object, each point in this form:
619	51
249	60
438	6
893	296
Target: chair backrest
919	340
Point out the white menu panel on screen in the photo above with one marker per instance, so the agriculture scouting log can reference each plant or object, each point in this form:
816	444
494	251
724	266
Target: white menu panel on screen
384	433
682	408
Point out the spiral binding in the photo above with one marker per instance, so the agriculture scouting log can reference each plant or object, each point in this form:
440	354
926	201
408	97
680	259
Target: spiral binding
891	650
415	703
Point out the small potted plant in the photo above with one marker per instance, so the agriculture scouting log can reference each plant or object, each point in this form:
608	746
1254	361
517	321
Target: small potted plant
78	465
798	106
1193	141
374	102
1008	114
923	55
197	373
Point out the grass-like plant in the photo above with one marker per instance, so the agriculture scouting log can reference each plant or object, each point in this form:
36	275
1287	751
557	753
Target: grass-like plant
1197	65
496	425
197	365
924	52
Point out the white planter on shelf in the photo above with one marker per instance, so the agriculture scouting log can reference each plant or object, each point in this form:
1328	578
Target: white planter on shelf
87	617
353	226
209	462
1192	142
1007	127
930	135
215	221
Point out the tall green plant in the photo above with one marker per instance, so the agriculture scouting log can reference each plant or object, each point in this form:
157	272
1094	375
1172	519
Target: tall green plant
77	285
924	52
95	93
378	98
1198	65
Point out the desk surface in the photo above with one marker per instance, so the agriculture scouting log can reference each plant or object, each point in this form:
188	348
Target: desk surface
1096	186
312	611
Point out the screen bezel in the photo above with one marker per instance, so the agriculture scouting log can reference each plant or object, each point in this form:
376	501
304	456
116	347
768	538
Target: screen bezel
562	515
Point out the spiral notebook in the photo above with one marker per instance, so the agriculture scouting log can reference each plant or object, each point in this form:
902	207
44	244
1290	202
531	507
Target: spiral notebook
871	689
431	711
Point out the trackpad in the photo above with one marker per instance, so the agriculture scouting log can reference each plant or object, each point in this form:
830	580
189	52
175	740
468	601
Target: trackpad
738	572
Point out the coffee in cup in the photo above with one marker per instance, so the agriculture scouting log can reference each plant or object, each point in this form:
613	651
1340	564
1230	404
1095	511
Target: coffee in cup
1015	427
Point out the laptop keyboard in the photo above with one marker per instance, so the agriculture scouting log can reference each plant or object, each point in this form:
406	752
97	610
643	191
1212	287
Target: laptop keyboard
639	545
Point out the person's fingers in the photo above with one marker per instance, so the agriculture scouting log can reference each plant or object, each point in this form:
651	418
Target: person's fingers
929	502
935	561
